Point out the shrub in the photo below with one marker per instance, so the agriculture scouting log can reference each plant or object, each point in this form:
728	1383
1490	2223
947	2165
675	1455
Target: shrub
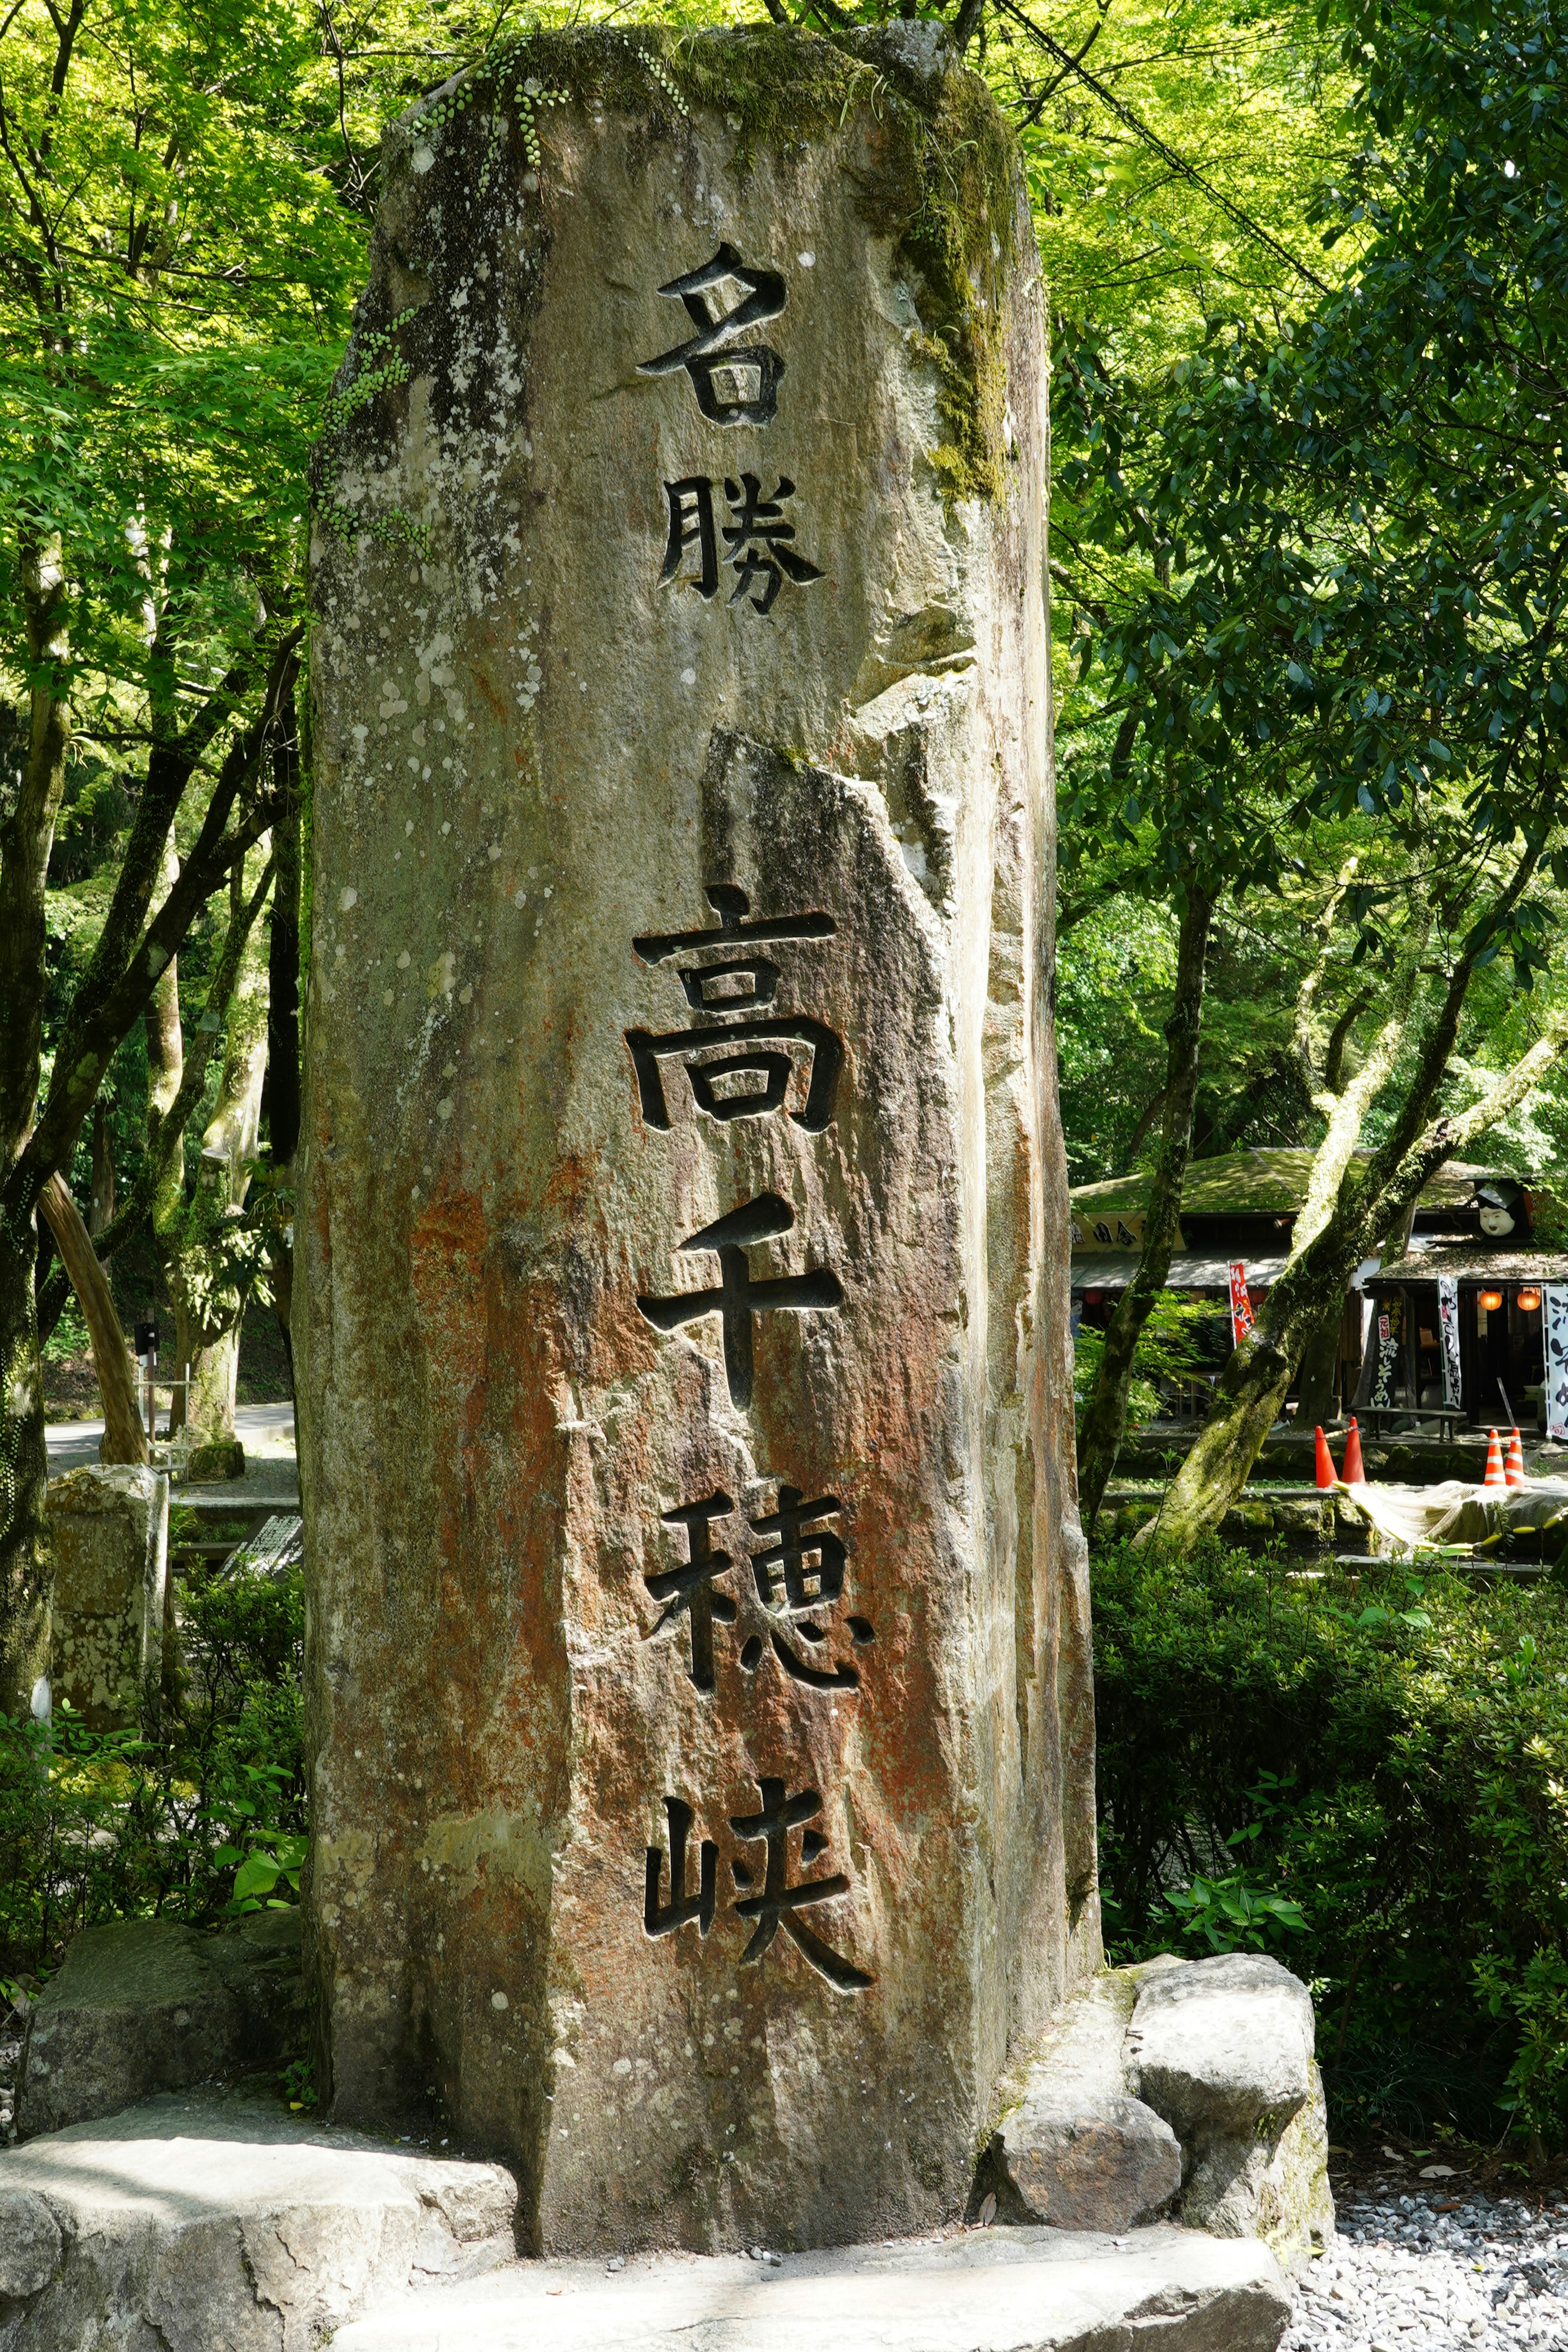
205	1819
1367	1773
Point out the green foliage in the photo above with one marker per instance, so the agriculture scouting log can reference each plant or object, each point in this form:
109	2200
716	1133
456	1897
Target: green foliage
1368	1774
204	1820
1172	1346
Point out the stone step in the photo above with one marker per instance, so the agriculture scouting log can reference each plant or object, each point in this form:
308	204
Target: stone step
206	2223
996	2290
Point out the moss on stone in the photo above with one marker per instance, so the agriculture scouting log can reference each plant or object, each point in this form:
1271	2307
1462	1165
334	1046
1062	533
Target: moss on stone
946	189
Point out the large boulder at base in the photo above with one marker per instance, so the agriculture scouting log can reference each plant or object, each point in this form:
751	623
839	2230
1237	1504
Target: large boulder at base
1074	2151
1223	2049
1223	2044
988	2290
1185	2088
146	2005
206	2224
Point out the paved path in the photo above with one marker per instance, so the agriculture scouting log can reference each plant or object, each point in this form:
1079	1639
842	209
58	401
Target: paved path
266	1431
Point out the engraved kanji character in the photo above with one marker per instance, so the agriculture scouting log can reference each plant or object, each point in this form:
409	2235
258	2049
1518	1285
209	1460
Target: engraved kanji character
664	1918
737	1298
688	1588
760	538
736	382
780	1904
740	985
691	525
733	905
811	1560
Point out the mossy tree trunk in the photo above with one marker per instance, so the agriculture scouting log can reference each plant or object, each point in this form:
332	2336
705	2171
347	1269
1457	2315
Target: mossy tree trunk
25	839
1368	1204
1105	1415
197	1244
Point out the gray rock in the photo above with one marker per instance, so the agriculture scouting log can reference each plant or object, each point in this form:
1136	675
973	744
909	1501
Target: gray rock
1223	2045
195	2223
108	1529
1076	2151
989	2291
148	2005
1223	2049
214	1462
29	2244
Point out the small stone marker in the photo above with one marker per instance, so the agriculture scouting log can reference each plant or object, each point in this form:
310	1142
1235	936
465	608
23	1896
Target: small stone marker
109	1533
698	1656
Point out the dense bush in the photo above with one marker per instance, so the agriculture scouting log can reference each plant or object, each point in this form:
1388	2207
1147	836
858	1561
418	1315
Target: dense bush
206	1818
1367	1773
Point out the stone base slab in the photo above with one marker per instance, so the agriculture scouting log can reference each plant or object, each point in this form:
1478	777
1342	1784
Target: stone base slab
998	2290
200	2223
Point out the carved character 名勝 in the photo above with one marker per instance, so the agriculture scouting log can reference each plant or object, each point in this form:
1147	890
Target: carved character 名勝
758	537
735	382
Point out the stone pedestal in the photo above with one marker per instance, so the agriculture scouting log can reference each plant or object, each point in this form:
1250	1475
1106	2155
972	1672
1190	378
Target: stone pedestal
110	1532
699	1654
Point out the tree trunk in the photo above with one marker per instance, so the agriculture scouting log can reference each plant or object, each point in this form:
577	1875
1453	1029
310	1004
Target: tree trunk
280	1092
100	1210
124	1438
24	1459
208	1302
25	839
166	1069
1105	1415
1320	1370
1248	1396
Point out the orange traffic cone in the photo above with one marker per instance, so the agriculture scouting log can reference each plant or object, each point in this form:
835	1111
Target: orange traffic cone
1494	1476
1325	1460
1355	1470
1514	1471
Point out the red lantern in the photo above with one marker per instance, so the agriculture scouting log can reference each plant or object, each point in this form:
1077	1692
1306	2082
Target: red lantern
1492	1300
1527	1301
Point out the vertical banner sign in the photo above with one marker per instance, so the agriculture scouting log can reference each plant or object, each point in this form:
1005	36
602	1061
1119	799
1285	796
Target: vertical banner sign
1240	1305
1390	1328
1449	1324
1554	1298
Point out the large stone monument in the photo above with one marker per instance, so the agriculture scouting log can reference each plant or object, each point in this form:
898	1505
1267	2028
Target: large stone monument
698	1635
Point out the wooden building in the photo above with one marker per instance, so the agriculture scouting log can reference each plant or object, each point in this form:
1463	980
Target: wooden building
1473	1226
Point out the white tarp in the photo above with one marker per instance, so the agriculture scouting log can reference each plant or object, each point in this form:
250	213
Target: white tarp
1456	1511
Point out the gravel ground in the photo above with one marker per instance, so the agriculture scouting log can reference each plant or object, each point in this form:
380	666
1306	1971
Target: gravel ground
1407	2275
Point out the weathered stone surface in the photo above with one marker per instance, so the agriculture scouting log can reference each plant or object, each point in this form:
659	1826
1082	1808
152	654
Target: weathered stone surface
564	816
993	2291
109	1533
1074	2151
1223	2044
1185	2087
29	2245
147	2005
1271	2184
198	2222
1223	2049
